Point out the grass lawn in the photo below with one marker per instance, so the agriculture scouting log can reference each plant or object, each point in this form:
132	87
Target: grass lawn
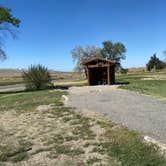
37	129
151	84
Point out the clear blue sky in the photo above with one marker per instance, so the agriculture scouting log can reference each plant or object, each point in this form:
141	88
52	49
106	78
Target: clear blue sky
50	29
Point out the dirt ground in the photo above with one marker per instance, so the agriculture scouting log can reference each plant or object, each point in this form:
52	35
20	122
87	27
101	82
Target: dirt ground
47	137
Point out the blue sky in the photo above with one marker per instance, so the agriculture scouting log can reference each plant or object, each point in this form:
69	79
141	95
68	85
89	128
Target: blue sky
50	29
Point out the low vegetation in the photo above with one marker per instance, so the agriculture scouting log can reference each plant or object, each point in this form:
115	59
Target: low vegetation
123	71
147	83
37	77
37	129
14	76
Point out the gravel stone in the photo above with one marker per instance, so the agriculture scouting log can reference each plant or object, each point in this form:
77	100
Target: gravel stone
143	113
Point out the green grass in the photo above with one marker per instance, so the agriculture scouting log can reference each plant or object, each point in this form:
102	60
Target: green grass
150	87
93	160
129	148
68	150
11	152
23	101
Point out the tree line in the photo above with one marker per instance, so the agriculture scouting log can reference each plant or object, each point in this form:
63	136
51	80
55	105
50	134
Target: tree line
155	63
114	51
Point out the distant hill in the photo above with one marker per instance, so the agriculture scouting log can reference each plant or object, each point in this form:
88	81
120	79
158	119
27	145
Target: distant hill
18	72
10	72
8	75
137	70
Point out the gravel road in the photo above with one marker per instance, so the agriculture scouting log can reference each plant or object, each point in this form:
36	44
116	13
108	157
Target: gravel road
11	87
143	113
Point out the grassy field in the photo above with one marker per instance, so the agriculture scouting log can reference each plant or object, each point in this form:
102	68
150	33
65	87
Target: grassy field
14	76
37	129
148	83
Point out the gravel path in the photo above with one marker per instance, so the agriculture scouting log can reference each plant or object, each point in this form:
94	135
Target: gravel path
135	111
11	87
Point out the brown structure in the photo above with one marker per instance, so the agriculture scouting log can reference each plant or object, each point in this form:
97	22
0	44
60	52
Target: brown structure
100	71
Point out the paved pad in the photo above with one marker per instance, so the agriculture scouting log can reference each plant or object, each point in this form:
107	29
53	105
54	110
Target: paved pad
137	112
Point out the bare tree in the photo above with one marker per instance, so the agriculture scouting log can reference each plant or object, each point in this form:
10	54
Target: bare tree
80	54
164	52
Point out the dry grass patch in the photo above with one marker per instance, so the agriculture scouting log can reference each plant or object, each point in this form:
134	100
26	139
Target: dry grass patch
37	129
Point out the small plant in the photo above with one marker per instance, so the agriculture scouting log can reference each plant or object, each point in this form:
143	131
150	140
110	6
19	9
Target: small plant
124	71
67	150
37	77
93	160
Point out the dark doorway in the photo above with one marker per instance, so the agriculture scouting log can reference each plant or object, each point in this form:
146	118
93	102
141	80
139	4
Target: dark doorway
100	71
98	76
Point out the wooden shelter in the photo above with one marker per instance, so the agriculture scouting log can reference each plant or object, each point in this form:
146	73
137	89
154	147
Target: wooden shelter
100	71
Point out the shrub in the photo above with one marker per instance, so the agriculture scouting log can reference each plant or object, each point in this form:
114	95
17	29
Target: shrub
155	63
37	77
123	71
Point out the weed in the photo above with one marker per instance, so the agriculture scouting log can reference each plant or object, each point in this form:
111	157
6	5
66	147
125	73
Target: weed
20	156
93	160
83	132
67	119
56	139
86	145
9	152
68	150
105	124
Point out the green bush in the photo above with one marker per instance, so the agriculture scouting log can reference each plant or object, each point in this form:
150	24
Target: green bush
37	77
123	71
155	63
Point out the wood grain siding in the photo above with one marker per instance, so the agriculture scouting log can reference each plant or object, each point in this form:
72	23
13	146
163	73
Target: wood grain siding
100	71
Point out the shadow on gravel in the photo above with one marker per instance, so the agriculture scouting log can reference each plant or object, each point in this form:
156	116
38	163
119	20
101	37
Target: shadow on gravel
62	87
23	91
122	83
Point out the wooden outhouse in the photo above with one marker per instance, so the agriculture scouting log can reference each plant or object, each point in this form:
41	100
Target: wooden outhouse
100	71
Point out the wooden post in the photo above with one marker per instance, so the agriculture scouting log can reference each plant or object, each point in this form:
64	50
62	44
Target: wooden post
88	76
108	75
112	74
